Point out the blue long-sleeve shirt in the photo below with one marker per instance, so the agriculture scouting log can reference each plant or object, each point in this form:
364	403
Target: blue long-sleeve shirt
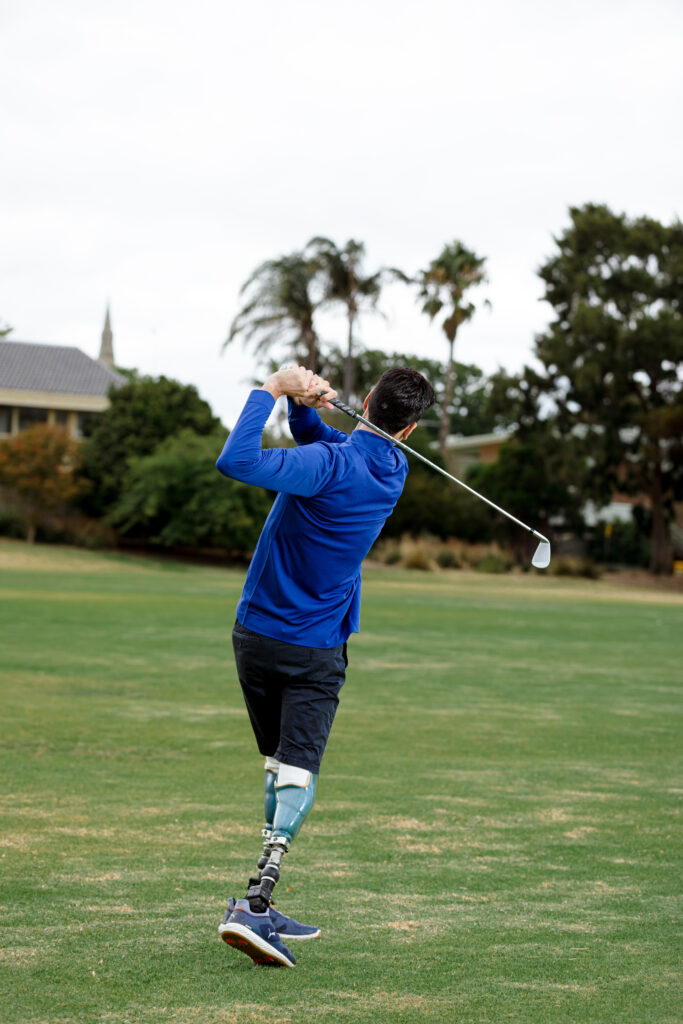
335	492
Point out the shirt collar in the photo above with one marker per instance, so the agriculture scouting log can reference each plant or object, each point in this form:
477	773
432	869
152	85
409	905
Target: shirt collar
372	442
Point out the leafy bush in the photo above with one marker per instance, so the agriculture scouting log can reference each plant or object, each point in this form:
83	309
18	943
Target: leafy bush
79	530
628	544
38	474
430	504
447	559
418	558
493	562
142	414
176	498
11	524
529	480
566	565
392	556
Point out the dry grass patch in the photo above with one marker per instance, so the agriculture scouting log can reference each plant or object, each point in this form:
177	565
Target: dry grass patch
20	956
580	833
236	1013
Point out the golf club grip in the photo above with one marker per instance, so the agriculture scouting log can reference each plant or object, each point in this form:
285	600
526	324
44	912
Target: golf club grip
344	408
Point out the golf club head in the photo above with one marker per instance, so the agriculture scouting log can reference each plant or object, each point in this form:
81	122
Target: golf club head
541	559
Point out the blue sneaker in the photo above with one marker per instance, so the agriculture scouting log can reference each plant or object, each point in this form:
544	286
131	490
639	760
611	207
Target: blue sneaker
286	927
254	935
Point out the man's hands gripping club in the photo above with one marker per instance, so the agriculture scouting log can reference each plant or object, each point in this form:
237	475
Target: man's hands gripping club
302	386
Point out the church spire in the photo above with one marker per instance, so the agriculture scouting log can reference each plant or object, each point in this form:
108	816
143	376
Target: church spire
106	355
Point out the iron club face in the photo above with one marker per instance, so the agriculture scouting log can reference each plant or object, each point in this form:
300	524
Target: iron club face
541	559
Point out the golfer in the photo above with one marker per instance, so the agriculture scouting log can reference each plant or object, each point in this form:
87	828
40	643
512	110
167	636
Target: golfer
301	600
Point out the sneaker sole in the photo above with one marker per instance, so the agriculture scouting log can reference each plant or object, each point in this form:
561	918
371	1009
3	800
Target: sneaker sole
261	952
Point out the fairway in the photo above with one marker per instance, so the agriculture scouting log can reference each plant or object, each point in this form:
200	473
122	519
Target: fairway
496	836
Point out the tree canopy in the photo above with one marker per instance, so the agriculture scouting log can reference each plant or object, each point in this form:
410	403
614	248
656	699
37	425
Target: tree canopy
470	409
143	412
38	473
612	358
279	308
175	497
442	287
345	283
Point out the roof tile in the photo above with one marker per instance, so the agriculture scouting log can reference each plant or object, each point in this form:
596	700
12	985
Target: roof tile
27	366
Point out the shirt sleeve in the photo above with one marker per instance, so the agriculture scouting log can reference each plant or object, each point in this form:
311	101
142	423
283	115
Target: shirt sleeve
307	427
303	471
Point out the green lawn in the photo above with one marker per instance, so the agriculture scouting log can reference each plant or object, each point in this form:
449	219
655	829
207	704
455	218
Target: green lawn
496	832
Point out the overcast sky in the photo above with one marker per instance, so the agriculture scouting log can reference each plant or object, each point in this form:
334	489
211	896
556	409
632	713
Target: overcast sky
153	155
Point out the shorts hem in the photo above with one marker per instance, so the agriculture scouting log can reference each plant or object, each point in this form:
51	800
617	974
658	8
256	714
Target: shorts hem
298	762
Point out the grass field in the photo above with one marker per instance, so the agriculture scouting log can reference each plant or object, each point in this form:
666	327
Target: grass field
496	832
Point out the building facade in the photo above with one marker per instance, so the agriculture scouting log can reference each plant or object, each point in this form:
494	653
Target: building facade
464	452
54	384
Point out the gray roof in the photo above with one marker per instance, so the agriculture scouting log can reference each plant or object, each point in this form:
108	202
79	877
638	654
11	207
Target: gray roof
26	366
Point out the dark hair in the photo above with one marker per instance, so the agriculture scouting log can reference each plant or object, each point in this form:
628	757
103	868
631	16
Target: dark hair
401	396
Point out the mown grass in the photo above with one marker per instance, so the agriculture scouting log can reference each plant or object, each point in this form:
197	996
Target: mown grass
496	835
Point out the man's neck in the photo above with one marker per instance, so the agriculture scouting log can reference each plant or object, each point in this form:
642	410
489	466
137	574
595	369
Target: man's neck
362	426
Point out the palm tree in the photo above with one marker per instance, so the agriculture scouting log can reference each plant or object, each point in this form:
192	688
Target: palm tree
343	281
443	285
279	309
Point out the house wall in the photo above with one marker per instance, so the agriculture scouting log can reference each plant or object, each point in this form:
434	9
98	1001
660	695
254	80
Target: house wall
489	452
58	407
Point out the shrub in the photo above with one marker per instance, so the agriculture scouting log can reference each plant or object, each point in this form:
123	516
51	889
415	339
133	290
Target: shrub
447	559
625	544
566	565
11	524
392	556
493	562
418	558
143	413
39	474
176	498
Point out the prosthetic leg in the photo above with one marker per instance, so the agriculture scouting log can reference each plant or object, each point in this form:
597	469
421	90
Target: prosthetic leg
289	796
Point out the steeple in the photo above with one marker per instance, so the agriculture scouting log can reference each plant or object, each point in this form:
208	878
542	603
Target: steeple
106	355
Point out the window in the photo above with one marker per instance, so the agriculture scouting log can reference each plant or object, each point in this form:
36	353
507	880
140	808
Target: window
5	419
28	417
61	417
83	424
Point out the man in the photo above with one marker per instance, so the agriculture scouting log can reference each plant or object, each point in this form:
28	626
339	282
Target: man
301	600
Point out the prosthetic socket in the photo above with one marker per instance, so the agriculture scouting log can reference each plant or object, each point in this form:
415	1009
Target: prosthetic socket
289	796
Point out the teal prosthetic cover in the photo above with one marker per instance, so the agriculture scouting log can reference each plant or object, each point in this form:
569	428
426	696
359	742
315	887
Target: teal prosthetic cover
295	792
269	798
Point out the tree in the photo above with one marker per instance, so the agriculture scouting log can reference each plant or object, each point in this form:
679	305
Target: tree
176	498
528	479
38	473
613	358
470	412
279	310
345	283
431	505
5	329
142	413
442	286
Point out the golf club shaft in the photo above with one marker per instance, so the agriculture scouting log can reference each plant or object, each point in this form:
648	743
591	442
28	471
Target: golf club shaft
361	419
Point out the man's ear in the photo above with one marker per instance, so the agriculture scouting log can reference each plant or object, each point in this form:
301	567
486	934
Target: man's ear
406	432
366	400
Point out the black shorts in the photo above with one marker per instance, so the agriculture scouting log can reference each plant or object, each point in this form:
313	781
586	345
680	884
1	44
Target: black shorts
291	693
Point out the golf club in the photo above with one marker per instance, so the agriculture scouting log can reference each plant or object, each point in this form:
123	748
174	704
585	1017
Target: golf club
541	559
